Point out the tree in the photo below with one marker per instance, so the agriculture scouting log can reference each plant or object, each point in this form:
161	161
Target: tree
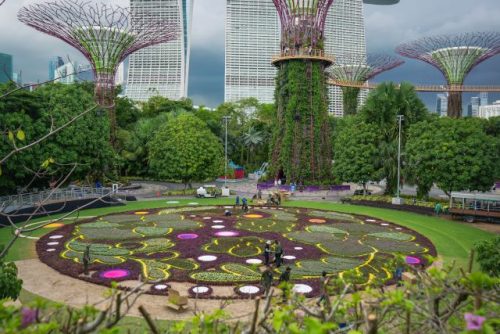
159	104
126	112
185	149
380	110
85	142
354	152
252	139
454	154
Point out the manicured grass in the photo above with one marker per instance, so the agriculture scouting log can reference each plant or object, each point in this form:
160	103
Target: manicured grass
453	240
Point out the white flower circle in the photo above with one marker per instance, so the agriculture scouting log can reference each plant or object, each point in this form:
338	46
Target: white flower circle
53	243
161	286
207	218
218	221
207	258
200	289
289	257
193	203
57	236
398	228
384	224
51	250
371	220
228	207
298	248
218	227
249	289
302	288
172	202
253	261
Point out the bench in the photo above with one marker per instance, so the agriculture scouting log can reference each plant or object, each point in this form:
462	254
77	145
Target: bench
176	301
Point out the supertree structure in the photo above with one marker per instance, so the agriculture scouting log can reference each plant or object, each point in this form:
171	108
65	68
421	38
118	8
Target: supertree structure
455	56
358	69
104	34
301	148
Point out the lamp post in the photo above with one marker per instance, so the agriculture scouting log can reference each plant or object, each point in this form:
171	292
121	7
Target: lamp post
398	199
226	120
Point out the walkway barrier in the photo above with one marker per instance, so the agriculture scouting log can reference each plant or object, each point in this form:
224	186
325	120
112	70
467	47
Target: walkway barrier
12	202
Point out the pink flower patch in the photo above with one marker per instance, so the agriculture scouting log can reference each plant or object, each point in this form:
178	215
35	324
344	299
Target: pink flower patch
114	273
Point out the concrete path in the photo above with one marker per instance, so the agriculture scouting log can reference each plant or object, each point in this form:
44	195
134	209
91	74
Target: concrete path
46	282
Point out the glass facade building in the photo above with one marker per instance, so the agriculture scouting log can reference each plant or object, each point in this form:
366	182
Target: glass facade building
161	69
253	37
6	68
54	64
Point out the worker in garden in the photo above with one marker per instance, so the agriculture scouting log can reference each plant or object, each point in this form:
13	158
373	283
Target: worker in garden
278	253
284	281
267	252
438	209
323	291
267	280
237	202
244	204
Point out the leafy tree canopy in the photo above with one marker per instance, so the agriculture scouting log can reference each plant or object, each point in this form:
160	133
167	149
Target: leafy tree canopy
456	155
185	149
355	151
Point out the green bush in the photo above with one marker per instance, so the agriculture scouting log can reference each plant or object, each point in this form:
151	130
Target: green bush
10	285
488	256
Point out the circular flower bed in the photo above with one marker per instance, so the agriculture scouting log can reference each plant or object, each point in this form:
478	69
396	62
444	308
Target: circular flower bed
200	245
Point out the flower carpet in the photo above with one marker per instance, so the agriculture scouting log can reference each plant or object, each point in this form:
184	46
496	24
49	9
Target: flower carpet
201	246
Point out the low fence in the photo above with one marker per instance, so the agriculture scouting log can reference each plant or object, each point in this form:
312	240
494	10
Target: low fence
311	188
50	196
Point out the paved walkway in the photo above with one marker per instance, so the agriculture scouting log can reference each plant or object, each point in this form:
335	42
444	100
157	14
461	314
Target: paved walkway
48	283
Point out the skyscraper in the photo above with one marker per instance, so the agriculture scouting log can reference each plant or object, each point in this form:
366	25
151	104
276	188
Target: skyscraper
6	67
54	64
473	110
442	104
252	38
162	69
484	98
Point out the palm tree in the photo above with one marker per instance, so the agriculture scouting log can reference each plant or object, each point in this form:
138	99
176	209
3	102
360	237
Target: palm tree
252	139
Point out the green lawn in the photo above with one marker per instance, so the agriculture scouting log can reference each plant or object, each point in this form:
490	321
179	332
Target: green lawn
453	240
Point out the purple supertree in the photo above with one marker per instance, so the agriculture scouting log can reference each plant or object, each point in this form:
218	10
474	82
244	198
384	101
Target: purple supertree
104	34
455	56
356	69
302	23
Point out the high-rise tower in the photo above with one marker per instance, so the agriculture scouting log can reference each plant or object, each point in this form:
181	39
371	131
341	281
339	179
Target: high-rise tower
252	39
161	69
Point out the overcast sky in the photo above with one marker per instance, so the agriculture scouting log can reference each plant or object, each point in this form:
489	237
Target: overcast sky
386	27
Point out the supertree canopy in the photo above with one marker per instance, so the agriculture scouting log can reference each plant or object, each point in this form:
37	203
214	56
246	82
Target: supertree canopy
301	148
104	34
455	56
358	69
302	22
